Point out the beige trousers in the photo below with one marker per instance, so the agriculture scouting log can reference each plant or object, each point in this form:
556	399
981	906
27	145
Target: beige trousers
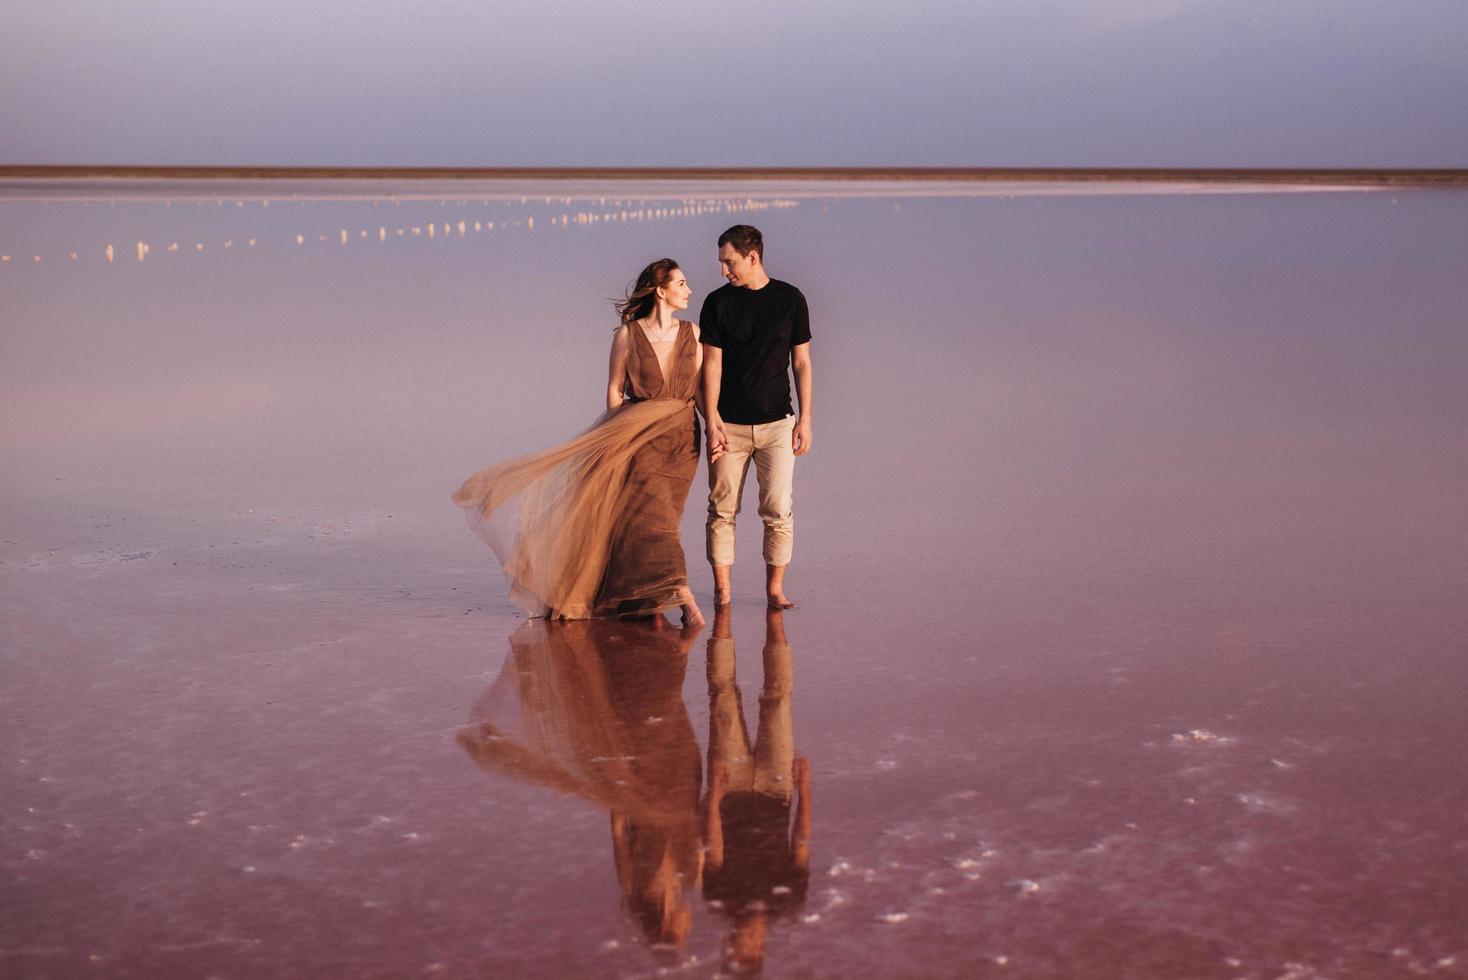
770	446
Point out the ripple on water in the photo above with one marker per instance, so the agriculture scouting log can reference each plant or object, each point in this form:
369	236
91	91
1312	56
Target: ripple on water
1201	736
1266	803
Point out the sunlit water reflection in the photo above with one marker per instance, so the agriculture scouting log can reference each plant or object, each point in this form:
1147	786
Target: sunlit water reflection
1130	557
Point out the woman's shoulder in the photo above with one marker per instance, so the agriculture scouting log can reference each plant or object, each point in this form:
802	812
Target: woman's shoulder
621	338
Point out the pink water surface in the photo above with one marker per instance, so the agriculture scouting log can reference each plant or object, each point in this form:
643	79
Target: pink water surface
1130	555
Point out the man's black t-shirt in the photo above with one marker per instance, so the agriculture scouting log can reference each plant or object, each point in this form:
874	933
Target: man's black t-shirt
755	328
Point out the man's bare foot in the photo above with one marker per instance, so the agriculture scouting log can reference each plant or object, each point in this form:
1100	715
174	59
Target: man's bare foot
775	588
723	592
692	616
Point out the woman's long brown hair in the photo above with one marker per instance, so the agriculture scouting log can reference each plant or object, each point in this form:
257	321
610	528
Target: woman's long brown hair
642	297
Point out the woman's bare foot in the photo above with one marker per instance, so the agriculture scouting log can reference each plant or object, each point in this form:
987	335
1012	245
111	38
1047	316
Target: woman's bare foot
778	601
692	616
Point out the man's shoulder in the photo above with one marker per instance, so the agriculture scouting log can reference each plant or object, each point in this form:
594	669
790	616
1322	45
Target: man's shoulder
721	295
786	296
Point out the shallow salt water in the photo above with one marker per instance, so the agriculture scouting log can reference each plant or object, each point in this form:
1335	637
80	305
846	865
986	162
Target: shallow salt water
1130	557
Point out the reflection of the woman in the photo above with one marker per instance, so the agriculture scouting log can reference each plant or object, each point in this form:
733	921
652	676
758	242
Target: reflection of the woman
757	861
595	708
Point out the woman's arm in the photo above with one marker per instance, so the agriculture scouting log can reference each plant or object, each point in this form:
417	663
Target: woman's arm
698	362
698	395
617	369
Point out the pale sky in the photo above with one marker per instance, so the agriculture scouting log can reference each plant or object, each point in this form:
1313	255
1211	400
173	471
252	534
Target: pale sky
1292	83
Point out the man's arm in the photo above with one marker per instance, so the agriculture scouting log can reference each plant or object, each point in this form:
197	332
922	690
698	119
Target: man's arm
800	361
700	402
713	376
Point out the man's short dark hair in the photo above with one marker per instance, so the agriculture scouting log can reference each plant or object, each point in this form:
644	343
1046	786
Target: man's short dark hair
745	239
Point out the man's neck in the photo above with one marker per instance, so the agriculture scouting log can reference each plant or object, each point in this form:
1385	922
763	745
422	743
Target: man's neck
758	281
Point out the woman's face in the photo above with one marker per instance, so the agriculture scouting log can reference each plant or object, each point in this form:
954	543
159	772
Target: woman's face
675	291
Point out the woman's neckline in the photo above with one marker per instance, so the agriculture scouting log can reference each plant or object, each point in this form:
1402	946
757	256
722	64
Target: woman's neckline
672	334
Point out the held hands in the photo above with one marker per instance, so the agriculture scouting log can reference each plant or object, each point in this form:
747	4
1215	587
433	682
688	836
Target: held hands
801	437
718	439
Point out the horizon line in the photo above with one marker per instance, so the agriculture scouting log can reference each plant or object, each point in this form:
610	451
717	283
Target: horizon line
1432	176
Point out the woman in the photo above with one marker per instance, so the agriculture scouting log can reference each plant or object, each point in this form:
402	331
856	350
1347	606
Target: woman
590	528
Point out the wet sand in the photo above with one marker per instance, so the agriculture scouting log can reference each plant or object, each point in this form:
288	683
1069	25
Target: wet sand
1130	557
1319	176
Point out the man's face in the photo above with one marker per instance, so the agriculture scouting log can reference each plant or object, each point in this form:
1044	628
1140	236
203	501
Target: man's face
738	269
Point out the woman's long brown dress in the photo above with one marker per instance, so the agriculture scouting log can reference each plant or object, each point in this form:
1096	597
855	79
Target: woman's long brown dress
590	528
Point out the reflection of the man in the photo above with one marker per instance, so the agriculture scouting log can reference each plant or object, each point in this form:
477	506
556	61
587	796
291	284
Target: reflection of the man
595	709
757	860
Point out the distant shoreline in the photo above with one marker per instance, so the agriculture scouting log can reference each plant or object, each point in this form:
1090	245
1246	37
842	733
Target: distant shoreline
1320	176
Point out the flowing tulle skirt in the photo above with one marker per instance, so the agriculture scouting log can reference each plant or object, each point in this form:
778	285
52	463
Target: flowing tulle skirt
590	528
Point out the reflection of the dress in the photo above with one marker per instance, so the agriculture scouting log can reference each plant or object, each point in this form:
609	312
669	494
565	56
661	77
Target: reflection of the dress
594	708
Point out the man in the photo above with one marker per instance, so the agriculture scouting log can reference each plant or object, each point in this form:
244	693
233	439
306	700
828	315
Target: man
754	330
